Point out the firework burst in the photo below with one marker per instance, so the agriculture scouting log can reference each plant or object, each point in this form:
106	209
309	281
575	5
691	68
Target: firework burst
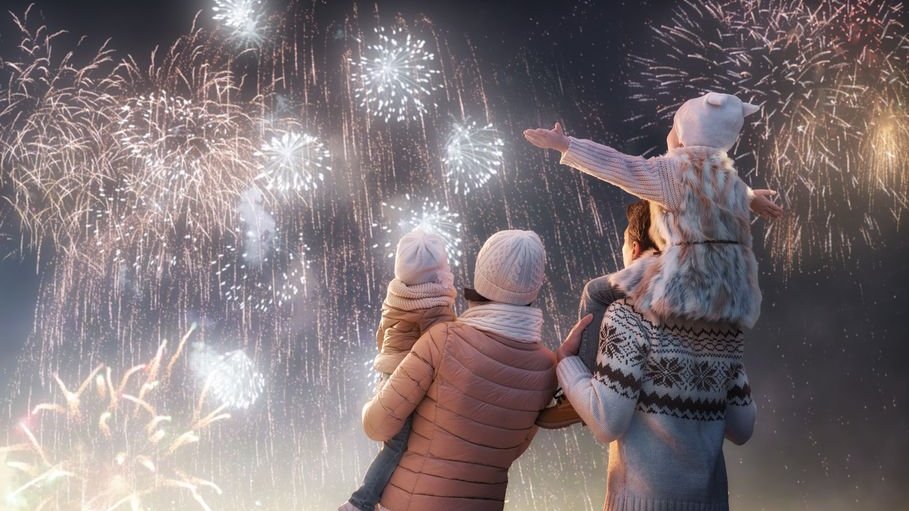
473	154
108	444
185	160
395	75
244	20
294	162
821	75
431	217
230	378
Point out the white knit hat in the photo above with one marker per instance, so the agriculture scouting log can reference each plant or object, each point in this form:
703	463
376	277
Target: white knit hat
510	267
712	120
421	258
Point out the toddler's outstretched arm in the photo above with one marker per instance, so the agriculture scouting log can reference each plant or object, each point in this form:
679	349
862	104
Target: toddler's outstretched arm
646	178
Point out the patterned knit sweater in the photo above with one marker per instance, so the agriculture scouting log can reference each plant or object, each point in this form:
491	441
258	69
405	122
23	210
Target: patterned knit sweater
664	397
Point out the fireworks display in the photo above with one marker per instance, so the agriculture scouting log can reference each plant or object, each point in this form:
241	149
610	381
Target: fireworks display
254	193
826	78
395	76
109	444
473	155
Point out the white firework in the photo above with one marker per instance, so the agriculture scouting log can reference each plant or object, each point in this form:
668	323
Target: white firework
243	19
294	162
473	154
231	378
395	76
431	217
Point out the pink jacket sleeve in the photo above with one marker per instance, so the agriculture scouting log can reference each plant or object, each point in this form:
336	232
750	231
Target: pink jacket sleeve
385	414
647	178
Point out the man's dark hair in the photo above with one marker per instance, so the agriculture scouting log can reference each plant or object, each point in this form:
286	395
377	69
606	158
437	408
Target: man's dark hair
638	214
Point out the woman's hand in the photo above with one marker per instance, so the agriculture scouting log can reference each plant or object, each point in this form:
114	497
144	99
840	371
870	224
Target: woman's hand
548	139
569	348
762	204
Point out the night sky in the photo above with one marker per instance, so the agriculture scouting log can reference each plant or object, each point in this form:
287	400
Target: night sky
826	359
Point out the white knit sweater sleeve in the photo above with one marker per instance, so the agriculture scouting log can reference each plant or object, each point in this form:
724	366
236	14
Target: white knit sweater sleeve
648	178
740	408
606	400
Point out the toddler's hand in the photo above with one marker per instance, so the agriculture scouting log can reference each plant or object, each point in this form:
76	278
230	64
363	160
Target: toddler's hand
548	139
762	204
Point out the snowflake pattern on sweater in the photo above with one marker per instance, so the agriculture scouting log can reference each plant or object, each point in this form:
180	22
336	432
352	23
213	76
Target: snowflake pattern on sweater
663	397
676	370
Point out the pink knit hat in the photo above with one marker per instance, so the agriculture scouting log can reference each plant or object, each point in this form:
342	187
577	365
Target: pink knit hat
420	258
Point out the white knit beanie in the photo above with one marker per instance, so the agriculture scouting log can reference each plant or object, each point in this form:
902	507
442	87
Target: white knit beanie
510	267
712	120
421	258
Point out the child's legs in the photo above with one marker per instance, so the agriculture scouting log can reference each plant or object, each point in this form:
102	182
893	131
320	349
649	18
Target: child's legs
380	470
597	295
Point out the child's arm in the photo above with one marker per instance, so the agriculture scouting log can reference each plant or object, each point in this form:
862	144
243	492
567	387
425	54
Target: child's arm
646	178
384	324
400	329
606	400
385	414
740	408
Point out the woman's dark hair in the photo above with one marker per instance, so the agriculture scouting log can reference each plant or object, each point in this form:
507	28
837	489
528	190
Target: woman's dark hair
638	214
471	295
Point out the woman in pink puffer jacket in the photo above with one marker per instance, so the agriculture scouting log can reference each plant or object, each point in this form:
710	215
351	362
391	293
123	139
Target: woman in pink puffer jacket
475	387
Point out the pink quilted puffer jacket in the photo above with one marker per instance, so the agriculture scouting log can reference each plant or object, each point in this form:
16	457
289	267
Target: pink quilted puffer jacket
475	396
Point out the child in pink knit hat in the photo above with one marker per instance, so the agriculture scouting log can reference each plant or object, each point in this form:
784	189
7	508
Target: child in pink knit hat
421	295
699	209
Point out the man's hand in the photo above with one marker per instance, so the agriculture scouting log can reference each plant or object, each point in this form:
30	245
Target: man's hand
569	348
762	205
548	139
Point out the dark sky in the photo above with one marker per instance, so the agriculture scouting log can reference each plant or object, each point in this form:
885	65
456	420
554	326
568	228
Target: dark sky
828	358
